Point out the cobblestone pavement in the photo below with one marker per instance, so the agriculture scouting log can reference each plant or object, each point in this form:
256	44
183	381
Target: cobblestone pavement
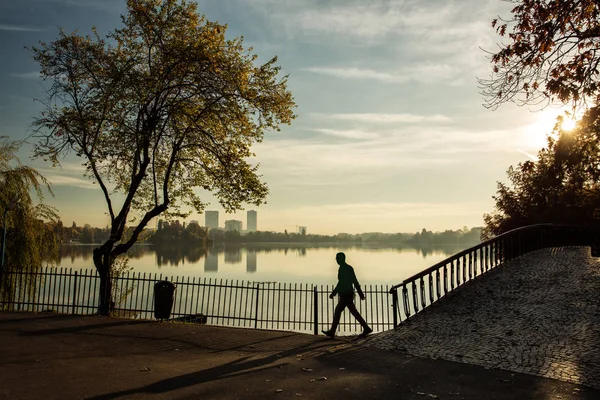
539	314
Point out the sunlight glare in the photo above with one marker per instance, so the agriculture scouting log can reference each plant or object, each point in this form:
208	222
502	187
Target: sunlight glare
568	124
542	128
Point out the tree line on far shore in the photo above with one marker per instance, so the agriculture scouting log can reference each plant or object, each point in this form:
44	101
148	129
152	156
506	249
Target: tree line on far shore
176	232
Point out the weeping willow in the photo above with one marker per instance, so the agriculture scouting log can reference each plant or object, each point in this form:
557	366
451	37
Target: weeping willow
30	239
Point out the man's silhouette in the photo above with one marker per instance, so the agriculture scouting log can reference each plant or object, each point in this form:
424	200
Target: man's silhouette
345	289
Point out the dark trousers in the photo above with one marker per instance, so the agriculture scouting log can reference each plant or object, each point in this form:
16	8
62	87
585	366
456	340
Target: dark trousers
346	300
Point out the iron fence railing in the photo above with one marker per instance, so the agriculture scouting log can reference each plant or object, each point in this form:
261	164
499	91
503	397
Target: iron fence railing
264	305
428	286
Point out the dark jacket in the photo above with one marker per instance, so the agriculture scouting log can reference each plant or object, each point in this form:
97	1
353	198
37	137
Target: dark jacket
347	281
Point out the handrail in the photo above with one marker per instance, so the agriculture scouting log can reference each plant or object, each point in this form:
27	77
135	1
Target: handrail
477	247
468	264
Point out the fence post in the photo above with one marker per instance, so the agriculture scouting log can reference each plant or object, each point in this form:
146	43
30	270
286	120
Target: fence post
74	293
256	308
395	306
316	310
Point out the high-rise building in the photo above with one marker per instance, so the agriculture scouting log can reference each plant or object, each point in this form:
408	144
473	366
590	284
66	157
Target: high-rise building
251	221
233	225
302	230
211	219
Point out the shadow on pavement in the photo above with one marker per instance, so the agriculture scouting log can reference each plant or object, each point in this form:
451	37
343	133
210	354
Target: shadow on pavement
79	328
236	368
28	317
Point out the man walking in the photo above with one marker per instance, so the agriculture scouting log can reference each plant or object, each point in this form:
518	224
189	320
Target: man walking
345	289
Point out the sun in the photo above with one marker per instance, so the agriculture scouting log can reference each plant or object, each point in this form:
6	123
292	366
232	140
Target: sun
544	124
568	124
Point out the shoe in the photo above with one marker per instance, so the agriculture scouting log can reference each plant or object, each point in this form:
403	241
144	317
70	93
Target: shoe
366	331
328	333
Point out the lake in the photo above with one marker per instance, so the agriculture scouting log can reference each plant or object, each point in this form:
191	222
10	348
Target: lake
375	264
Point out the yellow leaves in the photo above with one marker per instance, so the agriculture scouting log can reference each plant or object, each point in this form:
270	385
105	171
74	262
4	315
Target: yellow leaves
196	87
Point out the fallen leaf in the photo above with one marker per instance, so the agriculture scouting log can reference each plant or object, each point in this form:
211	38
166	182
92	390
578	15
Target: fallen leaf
433	396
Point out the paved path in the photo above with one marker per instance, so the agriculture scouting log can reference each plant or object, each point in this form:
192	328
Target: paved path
538	315
49	356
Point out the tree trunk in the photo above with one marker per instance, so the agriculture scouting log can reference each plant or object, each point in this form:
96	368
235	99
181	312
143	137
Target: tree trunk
105	294
103	262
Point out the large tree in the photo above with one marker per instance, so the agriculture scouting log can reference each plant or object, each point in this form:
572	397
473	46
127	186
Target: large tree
549	54
30	238
160	108
561	186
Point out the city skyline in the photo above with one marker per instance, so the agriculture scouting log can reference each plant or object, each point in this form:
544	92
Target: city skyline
299	229
390	136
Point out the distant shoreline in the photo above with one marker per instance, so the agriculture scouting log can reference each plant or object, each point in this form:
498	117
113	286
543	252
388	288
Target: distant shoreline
299	244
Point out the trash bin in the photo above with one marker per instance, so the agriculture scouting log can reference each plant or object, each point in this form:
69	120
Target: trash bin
163	299
596	247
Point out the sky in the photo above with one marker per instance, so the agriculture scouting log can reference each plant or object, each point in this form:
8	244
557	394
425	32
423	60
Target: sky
391	134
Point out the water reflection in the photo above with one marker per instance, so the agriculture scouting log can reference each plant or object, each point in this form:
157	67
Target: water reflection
82	254
233	256
211	261
174	256
251	261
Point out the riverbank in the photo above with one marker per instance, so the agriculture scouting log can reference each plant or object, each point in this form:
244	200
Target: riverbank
50	356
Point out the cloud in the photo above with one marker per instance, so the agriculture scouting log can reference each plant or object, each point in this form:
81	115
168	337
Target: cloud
390	151
365	21
377	19
68	174
64	180
71	168
358	19
385	118
532	157
424	73
346	133
451	31
102	5
26	75
18	28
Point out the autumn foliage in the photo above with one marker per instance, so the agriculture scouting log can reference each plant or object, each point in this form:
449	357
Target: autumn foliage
549	53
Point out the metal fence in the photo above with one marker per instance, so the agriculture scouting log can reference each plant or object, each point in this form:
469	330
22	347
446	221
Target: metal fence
264	305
